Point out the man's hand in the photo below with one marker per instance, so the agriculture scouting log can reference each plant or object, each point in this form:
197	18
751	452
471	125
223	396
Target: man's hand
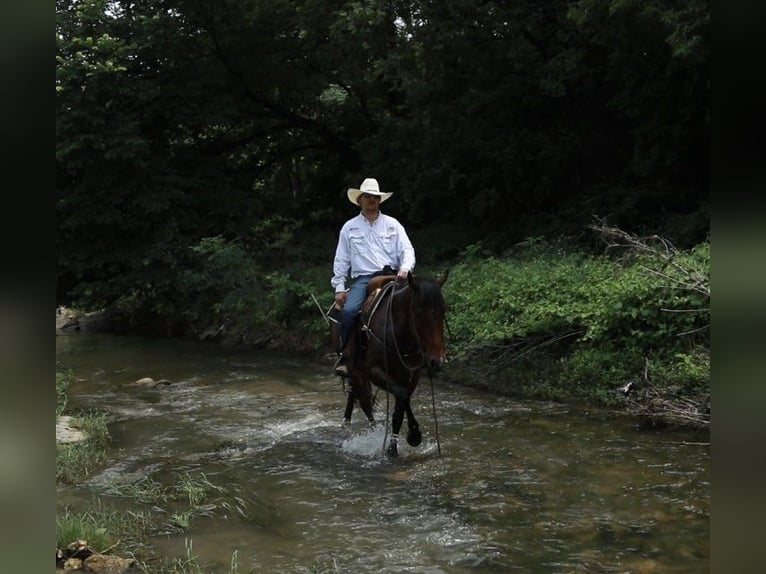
402	275
340	298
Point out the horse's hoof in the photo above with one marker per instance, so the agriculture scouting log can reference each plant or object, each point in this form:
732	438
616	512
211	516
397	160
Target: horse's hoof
414	437
393	451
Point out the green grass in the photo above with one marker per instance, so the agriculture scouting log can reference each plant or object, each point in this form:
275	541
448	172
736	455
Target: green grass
71	526
167	510
75	461
63	380
119	532
102	529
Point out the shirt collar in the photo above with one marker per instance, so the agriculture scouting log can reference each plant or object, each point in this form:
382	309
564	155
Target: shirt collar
368	222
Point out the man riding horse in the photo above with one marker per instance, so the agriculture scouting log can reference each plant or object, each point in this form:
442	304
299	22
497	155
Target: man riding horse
370	244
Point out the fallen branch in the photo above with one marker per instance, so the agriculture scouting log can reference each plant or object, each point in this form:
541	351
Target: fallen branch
659	404
683	276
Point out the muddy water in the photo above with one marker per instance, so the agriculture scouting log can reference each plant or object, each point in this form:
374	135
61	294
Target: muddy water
520	486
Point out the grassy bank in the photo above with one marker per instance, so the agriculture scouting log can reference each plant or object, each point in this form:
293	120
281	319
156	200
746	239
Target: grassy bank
160	508
75	460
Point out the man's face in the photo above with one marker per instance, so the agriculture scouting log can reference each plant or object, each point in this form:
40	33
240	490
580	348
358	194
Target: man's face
369	201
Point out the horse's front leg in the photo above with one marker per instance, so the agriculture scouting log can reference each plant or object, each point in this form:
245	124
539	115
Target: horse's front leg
349	406
414	436
396	426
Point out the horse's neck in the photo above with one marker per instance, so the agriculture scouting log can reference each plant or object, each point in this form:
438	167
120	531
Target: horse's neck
402	314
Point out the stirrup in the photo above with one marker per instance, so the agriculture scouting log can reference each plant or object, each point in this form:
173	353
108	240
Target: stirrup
340	366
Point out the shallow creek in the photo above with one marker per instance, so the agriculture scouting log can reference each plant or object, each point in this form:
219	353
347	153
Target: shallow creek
520	486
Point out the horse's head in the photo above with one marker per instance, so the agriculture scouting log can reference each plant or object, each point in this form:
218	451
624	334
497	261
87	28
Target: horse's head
429	310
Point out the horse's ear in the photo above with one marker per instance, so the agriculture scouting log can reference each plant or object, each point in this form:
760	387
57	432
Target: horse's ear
442	279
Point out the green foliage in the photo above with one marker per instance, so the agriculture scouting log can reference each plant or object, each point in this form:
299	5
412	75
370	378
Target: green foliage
594	374
93	527
560	324
75	461
684	373
595	299
172	126
221	281
233	286
63	380
494	299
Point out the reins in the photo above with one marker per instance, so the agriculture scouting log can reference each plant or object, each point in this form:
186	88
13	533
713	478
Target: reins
436	423
388	316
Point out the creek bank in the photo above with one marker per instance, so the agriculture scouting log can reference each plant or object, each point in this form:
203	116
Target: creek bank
653	406
79	556
69	320
113	322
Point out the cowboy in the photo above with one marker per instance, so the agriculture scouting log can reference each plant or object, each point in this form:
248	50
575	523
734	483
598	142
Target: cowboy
370	244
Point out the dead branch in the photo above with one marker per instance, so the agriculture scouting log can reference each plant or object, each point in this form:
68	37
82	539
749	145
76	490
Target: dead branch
662	249
662	404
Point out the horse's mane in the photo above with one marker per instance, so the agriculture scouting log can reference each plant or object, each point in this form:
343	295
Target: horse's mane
430	293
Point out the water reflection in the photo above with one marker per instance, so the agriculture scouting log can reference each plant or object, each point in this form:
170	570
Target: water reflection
520	486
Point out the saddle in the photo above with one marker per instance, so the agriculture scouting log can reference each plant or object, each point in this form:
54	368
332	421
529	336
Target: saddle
375	290
378	282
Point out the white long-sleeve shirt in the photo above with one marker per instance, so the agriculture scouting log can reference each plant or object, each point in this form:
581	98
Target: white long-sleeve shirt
364	248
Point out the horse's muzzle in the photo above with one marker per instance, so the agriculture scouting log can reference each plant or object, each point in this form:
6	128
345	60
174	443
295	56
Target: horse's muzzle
434	366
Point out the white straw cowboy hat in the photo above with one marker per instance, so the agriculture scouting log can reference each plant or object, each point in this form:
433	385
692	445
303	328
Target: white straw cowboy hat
370	186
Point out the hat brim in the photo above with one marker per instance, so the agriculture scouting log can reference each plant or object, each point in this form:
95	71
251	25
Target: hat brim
353	195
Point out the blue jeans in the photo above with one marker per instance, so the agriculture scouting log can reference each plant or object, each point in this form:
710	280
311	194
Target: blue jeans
356	296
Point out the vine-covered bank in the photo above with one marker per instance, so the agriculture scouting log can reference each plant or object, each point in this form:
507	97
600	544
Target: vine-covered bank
630	328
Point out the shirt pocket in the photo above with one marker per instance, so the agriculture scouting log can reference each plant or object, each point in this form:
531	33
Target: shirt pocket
388	240
357	243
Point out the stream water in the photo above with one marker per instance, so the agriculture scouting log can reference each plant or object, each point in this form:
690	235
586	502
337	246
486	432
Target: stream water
520	486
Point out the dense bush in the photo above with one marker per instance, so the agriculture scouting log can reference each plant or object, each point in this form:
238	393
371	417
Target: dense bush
552	322
255	290
255	303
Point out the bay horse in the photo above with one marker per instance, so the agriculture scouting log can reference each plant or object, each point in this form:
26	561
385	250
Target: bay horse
401	333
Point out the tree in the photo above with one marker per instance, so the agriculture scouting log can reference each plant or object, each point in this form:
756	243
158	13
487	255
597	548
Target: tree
179	121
